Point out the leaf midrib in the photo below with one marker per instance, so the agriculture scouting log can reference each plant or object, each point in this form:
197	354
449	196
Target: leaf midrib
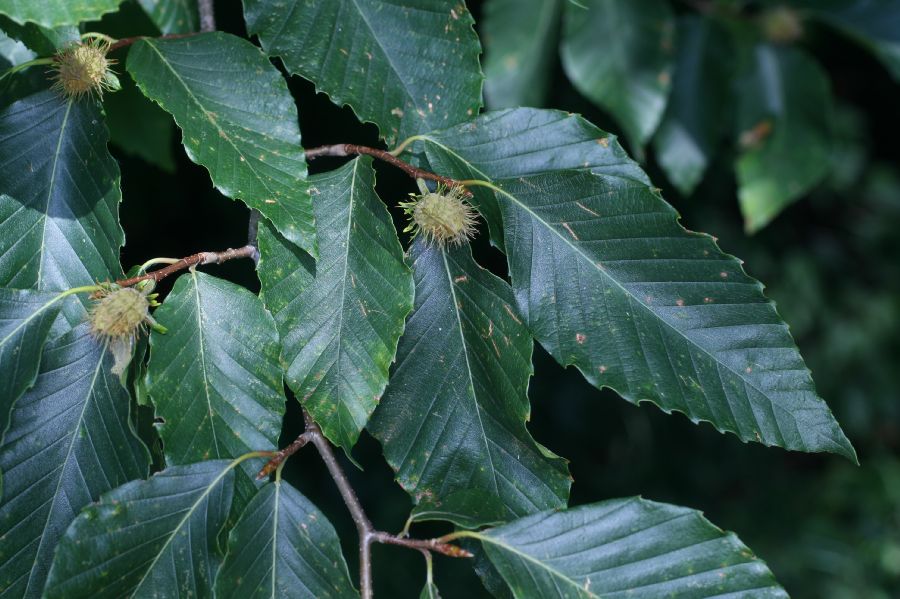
181	523
465	349
604	274
46	211
202	355
205	112
65	461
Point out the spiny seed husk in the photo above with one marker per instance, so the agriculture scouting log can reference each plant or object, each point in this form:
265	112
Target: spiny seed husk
119	314
443	217
82	69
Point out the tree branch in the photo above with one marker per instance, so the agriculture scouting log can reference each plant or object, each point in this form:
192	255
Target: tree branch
253	233
354	150
367	533
127	41
248	251
207	15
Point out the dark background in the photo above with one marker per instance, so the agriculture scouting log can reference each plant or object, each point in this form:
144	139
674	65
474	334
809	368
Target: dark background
827	528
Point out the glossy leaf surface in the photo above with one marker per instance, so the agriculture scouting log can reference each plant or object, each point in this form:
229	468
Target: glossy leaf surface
453	415
407	65
66	209
214	377
625	548
172	16
608	280
697	112
69	440
784	114
155	537
619	54
520	39
53	13
140	127
238	120
25	320
283	548
523	141
340	318
875	24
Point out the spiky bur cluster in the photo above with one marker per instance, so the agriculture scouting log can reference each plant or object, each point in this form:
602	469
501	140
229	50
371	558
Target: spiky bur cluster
443	217
83	68
118	316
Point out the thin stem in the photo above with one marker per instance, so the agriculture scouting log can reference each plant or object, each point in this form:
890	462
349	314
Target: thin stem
367	533
143	267
25	65
363	525
207	15
94	35
127	41
280	457
405	144
353	150
247	251
437	545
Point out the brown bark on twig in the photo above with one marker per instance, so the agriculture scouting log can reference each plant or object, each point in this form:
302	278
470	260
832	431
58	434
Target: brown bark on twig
248	251
354	150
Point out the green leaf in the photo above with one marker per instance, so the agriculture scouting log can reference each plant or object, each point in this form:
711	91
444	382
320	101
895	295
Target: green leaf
625	548
172	16
340	318
453	415
214	377
468	508
43	41
619	54
283	548
692	357
25	320
13	52
875	24
148	538
53	13
784	114
140	127
609	281
66	209
408	66
519	142
69	440
238	119
697	112
429	591
520	48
